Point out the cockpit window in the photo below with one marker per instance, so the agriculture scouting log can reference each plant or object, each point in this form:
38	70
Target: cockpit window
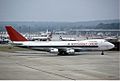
105	41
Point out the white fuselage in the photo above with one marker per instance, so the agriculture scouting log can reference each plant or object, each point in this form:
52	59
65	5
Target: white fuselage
92	44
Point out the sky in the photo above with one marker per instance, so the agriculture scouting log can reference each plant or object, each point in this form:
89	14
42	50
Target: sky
59	10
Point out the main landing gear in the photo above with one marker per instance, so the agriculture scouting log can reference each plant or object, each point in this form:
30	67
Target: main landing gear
102	53
62	53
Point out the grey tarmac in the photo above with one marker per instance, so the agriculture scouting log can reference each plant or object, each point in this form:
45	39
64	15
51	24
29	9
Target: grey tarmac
38	65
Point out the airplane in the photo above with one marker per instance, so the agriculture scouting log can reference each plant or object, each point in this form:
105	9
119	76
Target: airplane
67	39
43	36
60	47
39	38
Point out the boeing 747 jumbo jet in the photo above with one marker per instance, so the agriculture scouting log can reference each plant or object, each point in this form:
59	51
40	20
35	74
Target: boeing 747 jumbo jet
61	47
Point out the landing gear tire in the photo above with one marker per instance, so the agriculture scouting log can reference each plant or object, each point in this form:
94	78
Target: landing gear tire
102	53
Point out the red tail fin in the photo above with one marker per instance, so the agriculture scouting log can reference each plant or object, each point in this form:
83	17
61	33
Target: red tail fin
14	35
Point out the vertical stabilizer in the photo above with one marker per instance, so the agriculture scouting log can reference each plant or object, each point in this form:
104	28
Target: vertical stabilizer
14	35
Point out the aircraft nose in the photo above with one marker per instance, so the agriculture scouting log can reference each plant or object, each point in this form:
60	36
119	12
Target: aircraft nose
112	45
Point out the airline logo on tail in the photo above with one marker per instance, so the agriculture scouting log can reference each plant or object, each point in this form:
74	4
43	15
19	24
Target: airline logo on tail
14	35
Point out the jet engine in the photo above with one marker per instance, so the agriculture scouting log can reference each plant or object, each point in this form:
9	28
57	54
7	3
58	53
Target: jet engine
70	51
53	50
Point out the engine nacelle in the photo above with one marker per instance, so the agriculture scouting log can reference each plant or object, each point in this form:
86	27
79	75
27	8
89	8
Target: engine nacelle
53	50
70	51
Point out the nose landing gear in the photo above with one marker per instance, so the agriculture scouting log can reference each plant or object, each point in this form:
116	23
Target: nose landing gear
102	53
